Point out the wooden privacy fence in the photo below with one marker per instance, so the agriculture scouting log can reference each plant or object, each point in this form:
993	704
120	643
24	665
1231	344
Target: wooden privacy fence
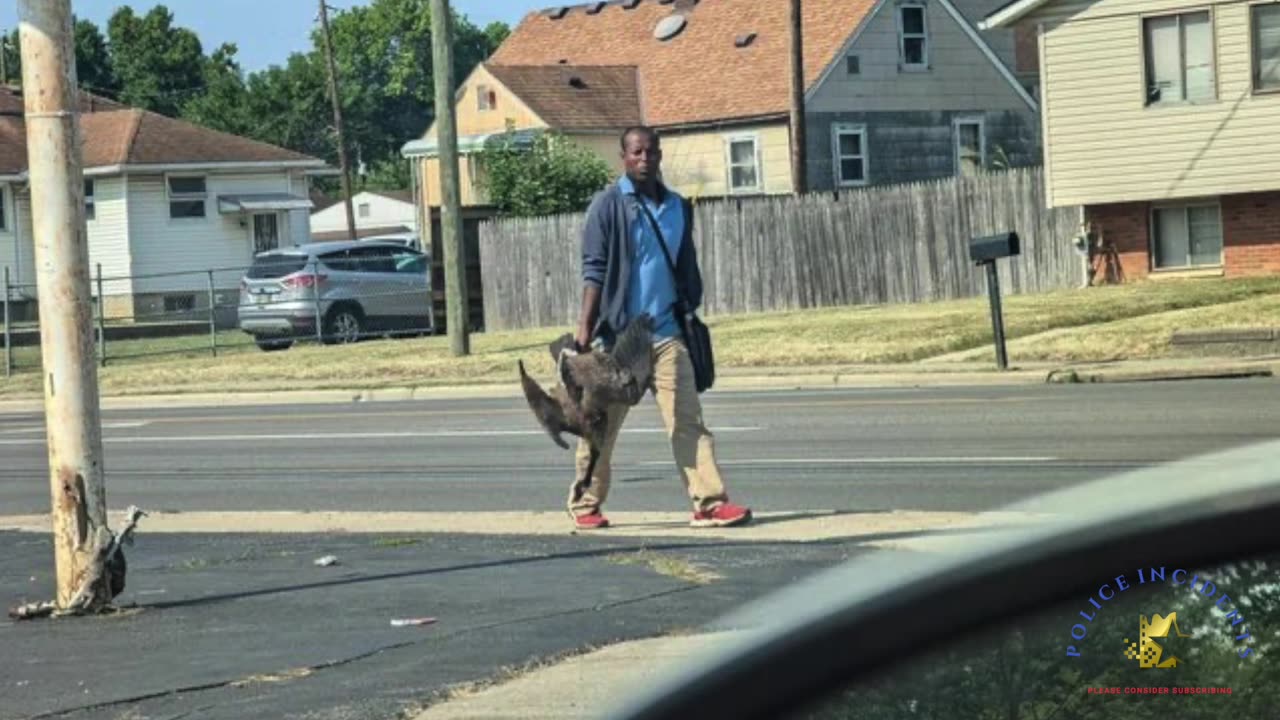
895	244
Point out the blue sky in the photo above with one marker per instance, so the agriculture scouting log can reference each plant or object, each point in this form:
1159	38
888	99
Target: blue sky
266	31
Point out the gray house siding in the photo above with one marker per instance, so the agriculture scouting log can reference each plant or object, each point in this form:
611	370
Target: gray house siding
914	146
907	111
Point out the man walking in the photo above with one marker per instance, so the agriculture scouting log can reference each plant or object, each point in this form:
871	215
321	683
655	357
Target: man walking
625	273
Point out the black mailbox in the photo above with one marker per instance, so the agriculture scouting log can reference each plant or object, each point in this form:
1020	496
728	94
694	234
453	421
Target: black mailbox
994	247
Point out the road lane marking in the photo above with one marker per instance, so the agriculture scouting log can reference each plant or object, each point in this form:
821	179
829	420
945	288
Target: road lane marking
708	404
350	436
935	460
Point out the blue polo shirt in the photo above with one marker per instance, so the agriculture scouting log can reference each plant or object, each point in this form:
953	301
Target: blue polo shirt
651	287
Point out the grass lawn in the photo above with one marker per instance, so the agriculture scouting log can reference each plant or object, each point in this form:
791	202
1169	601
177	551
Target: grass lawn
1128	321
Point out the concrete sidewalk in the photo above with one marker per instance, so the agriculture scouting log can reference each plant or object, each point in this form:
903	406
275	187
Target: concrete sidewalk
729	379
580	687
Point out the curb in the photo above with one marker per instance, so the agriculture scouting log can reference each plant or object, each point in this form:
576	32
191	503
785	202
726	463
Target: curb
808	381
1084	376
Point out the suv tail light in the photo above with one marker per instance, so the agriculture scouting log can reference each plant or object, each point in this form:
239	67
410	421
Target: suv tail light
305	280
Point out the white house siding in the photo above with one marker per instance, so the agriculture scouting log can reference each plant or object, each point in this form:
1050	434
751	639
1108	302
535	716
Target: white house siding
383	212
299	221
9	251
161	244
1107	146
109	236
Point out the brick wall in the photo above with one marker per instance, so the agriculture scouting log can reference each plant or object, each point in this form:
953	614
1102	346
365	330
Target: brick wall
1250	236
1123	225
1251	233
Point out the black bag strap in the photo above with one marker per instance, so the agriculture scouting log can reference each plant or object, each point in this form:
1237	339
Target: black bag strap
662	243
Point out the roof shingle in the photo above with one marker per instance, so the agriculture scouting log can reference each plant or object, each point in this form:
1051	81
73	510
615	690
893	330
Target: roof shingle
575	97
114	134
699	75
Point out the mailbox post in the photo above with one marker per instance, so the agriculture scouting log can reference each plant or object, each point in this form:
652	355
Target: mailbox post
985	251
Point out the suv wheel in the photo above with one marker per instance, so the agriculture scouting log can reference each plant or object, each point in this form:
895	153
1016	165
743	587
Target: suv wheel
343	325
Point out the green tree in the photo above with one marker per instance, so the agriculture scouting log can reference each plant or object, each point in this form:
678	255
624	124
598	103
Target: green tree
159	66
224	104
383	54
553	175
94	68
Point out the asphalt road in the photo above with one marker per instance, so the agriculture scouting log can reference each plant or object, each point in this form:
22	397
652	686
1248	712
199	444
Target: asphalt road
958	449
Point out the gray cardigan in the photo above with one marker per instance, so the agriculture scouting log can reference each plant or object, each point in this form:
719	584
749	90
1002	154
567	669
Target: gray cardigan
607	251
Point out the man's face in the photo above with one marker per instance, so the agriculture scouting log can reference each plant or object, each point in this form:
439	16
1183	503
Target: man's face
642	157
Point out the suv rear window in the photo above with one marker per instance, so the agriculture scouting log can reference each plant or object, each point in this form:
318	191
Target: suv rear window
271	267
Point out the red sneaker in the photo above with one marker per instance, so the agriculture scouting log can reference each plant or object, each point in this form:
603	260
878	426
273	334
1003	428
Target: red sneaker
724	515
594	521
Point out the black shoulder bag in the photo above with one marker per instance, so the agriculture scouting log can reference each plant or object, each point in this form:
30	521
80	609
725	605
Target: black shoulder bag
697	337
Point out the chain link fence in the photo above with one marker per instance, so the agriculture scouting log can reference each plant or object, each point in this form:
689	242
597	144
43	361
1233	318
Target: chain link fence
274	304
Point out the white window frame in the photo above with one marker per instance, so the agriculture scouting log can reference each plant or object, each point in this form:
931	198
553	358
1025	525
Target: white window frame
903	37
364	210
1254	59
1182	53
754	139
981	122
1184	206
837	157
90	207
173	197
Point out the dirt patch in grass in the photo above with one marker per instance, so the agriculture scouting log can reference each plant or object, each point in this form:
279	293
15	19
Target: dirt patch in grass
668	565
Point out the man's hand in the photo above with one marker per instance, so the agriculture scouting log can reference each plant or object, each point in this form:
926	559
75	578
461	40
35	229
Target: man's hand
587	318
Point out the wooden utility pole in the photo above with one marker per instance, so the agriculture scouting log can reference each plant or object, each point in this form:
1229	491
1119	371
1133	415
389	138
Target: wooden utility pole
799	167
72	419
457	311
337	118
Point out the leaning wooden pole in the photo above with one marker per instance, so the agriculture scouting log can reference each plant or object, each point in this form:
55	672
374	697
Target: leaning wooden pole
457	312
73	424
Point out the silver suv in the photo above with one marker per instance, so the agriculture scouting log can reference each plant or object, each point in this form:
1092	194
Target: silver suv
354	289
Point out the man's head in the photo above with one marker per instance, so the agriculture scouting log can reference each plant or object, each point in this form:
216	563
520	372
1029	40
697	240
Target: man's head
641	154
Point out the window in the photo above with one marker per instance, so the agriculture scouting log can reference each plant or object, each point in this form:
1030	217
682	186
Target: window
971	146
410	262
364	210
1179	58
89	209
913	37
179	303
486	99
852	65
744	165
1266	47
849	148
186	197
4	215
1186	236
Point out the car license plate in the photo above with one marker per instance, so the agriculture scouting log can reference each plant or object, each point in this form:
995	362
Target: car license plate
262	298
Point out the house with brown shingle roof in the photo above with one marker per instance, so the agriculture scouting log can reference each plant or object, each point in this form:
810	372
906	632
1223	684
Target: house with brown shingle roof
895	91
165	201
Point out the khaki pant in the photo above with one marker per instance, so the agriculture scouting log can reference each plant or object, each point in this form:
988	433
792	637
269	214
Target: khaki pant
692	444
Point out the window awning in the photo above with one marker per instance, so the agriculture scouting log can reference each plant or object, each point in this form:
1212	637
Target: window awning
261	202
